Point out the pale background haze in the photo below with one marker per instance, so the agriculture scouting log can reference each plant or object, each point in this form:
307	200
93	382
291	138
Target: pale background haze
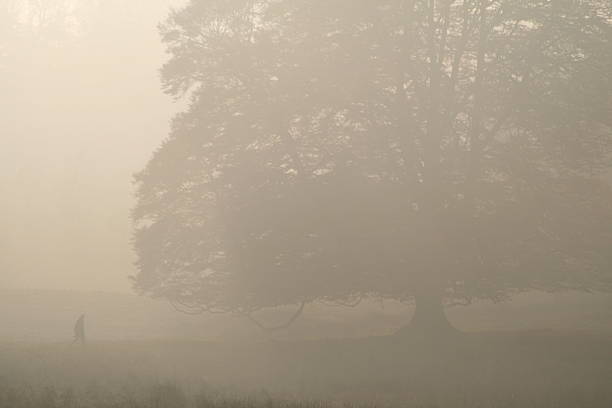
66	176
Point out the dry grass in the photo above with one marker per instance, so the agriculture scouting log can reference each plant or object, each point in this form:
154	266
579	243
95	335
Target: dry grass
526	369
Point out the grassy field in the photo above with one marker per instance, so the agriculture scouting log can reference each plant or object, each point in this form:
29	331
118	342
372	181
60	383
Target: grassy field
138	356
496	369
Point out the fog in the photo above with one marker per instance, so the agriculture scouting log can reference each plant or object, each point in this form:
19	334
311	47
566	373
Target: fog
81	112
248	203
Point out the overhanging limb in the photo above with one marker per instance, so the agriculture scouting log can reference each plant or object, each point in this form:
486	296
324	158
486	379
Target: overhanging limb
285	325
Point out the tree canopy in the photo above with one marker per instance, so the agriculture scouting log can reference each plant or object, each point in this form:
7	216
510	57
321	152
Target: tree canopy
346	149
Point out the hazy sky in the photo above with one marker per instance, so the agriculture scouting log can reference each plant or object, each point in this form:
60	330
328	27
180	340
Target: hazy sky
80	116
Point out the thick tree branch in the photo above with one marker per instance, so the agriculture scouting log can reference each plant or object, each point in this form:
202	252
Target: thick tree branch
285	325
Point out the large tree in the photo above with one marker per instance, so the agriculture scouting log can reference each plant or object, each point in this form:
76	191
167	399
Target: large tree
438	151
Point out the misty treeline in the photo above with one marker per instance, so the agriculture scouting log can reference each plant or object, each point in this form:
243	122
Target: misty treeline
51	24
333	151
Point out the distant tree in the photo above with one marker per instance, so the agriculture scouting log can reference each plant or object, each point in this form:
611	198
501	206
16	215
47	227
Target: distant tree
8	22
436	151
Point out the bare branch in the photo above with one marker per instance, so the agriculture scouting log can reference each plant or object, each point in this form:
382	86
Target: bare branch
285	325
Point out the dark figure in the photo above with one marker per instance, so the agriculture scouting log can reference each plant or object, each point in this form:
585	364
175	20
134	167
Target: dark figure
79	330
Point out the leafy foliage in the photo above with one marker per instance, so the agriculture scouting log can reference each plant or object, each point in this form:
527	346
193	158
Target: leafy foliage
347	149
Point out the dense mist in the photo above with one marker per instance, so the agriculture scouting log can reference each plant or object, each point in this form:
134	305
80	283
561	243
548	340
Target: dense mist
82	111
305	203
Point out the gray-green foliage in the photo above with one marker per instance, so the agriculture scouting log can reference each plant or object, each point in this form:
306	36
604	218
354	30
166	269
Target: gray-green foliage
343	149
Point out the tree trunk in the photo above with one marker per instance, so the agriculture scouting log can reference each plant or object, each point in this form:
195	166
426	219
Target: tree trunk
429	318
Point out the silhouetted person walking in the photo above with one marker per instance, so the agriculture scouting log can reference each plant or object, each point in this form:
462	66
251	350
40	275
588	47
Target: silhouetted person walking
79	330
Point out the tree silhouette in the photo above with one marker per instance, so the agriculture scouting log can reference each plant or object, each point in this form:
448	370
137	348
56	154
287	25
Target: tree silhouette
441	151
